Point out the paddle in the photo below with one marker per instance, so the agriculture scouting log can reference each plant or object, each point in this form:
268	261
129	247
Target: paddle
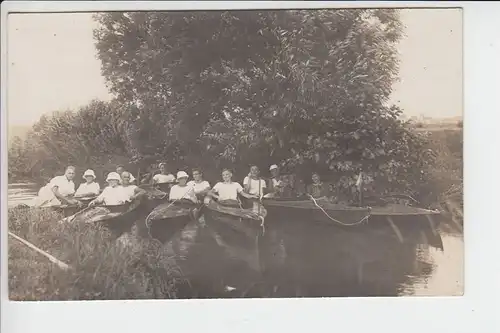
359	185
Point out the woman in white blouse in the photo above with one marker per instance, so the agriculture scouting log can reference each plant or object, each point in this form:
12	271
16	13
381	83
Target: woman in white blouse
164	177
90	188
182	191
59	191
113	194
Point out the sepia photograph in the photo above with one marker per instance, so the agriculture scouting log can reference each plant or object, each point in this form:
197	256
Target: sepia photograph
286	153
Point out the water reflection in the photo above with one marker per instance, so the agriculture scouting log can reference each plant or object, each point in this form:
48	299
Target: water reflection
318	260
21	193
328	262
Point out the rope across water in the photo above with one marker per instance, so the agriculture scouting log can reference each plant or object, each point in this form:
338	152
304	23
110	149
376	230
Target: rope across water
335	220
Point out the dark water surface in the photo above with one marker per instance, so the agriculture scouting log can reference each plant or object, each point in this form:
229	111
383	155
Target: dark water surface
324	261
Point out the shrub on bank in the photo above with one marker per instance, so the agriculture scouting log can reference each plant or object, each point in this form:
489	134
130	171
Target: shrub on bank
101	267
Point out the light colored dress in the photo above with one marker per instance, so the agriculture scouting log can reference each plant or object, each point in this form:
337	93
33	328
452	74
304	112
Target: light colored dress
182	192
162	179
84	189
47	198
113	196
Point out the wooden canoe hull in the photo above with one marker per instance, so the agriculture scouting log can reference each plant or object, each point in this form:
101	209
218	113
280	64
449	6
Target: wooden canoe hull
285	211
167	219
118	219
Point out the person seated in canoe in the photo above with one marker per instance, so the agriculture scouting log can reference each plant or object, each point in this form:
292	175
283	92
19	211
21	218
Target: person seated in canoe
59	191
131	191
318	189
276	184
227	191
113	194
201	187
182	192
90	188
253	184
163	180
121	169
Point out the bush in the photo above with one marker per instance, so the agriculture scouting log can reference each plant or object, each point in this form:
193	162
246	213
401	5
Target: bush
101	267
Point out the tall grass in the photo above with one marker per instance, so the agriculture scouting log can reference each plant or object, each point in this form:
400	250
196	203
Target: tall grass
101	267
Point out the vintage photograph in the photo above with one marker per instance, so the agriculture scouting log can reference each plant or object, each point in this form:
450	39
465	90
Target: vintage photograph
235	154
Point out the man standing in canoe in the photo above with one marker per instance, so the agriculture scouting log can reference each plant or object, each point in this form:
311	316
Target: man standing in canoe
90	188
59	191
226	192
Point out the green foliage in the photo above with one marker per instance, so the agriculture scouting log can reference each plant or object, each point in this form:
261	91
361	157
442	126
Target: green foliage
96	136
307	88
102	269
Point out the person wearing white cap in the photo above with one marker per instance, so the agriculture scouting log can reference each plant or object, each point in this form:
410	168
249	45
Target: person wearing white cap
276	184
90	187
181	190
113	194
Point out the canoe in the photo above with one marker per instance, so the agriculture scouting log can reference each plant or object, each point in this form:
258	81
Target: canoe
300	216
118	218
239	232
321	211
168	218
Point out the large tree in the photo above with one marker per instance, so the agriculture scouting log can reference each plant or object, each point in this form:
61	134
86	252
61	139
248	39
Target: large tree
303	88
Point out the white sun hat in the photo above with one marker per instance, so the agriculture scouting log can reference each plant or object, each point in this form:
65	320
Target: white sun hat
272	167
113	176
182	174
89	172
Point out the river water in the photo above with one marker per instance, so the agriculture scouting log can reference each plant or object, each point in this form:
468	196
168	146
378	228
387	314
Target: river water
412	269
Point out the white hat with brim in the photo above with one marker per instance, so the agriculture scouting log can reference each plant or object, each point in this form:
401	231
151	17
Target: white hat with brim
113	176
182	174
88	173
272	167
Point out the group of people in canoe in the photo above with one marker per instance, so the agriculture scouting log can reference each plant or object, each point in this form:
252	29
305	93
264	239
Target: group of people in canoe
121	187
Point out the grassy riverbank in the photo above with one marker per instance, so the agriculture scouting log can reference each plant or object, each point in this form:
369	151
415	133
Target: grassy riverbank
101	269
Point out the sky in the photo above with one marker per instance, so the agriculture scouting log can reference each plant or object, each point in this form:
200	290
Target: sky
52	64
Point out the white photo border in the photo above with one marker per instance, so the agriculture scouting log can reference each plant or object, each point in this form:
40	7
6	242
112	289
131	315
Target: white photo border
473	312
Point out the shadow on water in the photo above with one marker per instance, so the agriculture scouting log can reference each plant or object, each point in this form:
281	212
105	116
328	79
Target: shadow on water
326	261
